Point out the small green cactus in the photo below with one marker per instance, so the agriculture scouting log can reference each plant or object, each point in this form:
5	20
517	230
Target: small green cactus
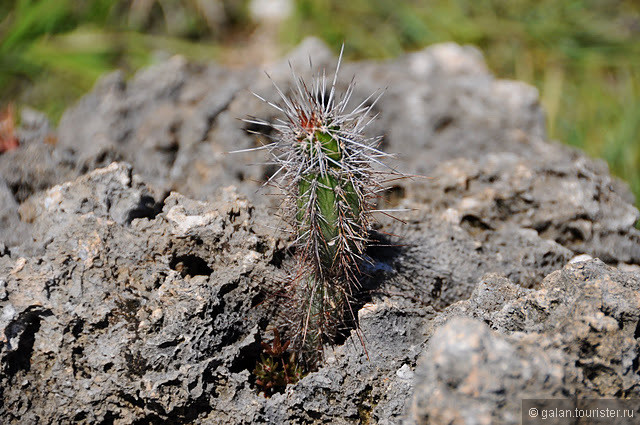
327	172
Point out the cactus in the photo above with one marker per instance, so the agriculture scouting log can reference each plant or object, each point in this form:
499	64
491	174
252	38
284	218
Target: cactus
327	172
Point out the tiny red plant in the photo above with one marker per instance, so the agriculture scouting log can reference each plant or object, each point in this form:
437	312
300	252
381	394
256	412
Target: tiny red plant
8	138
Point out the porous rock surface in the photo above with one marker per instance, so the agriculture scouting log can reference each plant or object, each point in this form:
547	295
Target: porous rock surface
136	257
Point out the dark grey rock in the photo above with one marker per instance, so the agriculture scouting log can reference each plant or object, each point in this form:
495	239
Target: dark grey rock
34	167
35	127
112	193
568	198
139	291
128	321
575	337
13	231
471	375
441	260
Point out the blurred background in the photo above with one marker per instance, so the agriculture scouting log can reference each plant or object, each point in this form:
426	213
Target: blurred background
583	55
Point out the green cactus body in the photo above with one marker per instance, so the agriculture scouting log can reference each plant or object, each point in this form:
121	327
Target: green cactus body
325	203
330	227
324	307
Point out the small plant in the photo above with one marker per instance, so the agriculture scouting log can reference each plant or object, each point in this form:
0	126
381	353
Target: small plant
277	367
8	138
327	171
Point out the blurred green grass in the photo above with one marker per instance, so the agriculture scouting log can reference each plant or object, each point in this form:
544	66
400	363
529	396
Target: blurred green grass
52	51
583	55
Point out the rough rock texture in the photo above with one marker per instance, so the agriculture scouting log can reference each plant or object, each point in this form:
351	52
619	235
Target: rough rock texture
138	291
128	321
576	336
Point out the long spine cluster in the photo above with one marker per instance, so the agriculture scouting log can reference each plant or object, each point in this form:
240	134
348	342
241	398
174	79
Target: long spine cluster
327	174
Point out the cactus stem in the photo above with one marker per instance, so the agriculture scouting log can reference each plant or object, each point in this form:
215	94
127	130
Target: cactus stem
328	174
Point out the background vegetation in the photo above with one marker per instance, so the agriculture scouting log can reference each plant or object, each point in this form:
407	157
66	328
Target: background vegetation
583	55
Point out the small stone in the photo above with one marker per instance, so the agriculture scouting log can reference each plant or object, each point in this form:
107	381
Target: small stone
3	290
580	258
405	373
